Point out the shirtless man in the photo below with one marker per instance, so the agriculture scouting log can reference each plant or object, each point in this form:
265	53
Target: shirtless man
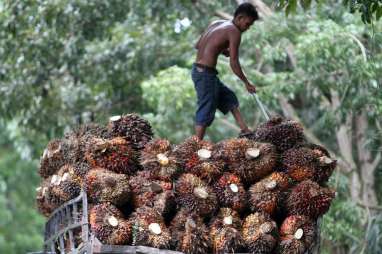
221	37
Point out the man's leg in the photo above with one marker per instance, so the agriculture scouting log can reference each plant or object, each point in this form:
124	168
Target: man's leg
200	130
239	120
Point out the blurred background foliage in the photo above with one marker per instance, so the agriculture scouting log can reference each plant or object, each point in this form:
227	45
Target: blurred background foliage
68	62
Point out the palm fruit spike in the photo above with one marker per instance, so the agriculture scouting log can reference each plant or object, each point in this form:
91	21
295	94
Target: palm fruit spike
189	233
194	195
196	157
282	133
133	128
115	155
65	184
149	229
108	225
308	162
53	158
265	195
106	186
309	199
250	160
260	233
152	193
158	158
225	232
297	234
230	192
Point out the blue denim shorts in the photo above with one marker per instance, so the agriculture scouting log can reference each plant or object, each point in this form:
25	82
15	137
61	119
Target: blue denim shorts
212	94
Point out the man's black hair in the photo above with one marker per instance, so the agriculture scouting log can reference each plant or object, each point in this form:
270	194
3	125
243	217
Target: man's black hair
247	9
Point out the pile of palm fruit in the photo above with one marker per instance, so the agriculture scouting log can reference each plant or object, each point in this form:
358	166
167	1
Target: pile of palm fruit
259	194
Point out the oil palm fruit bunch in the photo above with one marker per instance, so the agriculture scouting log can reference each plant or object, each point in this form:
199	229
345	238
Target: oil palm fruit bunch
308	162
149	228
65	184
297	234
309	199
43	199
53	158
249	159
189	233
113	154
260	233
196	157
282	133
133	128
193	194
108	225
225	232
158	158
106	186
265	195
230	192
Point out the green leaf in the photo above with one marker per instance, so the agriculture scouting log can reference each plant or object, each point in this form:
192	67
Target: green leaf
306	4
378	13
291	7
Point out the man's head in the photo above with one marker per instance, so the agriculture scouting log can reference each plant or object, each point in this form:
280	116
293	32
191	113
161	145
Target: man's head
244	16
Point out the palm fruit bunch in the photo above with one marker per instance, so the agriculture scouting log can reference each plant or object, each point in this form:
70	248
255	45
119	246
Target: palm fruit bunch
309	199
113	154
53	158
157	157
265	195
106	186
196	157
189	233
260	233
297	234
282	133
108	225
230	192
65	184
225	232
149	228
249	159
193	194
308	162
43	199
136	130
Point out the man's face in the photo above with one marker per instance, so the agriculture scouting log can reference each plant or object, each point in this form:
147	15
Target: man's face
245	22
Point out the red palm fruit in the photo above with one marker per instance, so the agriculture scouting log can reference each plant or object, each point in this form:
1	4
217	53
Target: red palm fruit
230	192
136	130
149	228
196	157
260	233
282	133
115	155
158	158
106	186
225	232
265	195
195	195
108	225
309	199
309	162
297	235
53	158
250	160
189	233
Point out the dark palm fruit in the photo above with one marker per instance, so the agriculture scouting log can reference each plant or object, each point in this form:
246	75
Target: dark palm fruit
250	160
196	157
189	233
230	192
297	234
225	232
53	158
133	128
149	229
158	158
195	195
44	205
282	133
108	225
265	195
106	186
309	199
115	155
65	184
260	233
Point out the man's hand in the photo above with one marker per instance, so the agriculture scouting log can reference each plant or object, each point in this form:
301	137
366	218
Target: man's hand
250	88
226	52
